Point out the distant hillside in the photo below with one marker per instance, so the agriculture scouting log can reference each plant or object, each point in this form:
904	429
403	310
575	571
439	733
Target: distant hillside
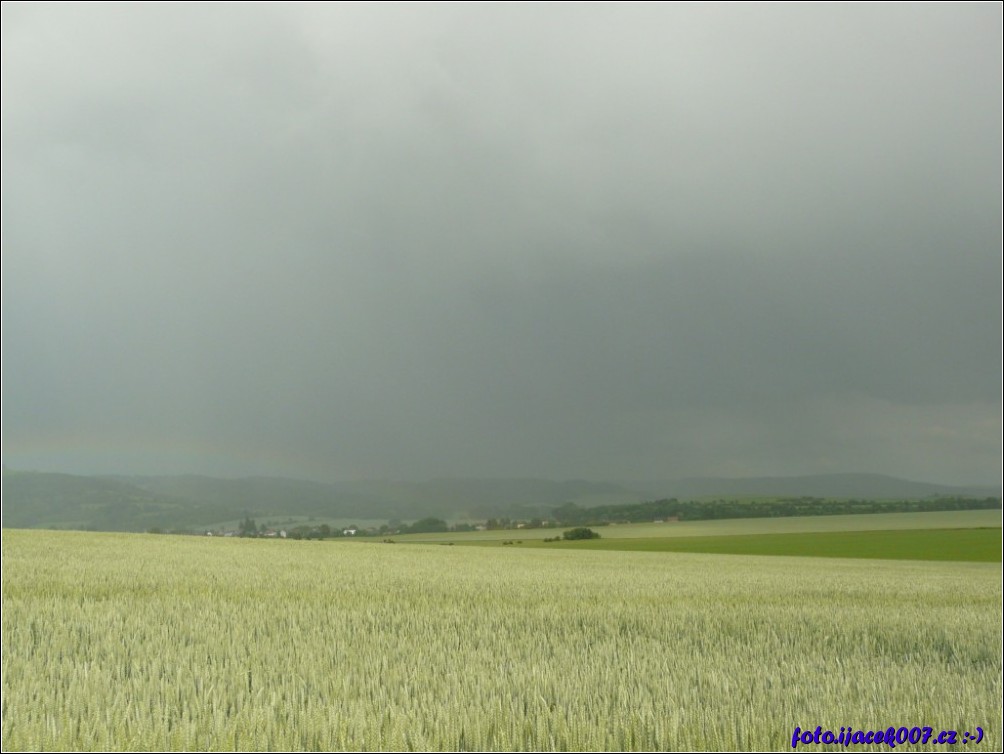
66	501
831	486
122	503
447	498
258	496
482	498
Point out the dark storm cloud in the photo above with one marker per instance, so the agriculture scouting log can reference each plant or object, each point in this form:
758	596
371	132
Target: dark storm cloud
560	241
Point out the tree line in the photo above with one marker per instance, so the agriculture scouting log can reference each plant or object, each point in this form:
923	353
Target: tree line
670	509
571	514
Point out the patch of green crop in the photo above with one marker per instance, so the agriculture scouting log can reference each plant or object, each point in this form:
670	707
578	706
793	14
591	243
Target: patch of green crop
973	545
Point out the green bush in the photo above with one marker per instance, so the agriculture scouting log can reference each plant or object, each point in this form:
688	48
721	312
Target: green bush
581	532
426	525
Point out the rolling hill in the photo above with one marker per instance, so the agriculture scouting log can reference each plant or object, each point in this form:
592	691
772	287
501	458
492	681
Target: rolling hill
139	503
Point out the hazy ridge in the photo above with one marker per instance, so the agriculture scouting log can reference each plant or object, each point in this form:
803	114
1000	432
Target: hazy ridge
138	503
837	486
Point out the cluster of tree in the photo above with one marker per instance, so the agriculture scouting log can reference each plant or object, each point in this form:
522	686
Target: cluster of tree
571	514
580	532
425	526
324	531
505	522
248	528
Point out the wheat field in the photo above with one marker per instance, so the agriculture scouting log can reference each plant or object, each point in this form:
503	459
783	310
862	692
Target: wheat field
142	642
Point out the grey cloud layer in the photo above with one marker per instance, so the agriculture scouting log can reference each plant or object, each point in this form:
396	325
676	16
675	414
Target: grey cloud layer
569	241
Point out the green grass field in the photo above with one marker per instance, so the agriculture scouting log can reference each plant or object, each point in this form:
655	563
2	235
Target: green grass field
975	545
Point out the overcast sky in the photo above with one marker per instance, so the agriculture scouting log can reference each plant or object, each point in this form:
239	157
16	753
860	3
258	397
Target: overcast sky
560	241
